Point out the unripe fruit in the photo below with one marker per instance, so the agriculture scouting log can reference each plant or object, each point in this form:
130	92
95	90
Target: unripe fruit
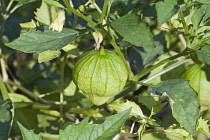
100	75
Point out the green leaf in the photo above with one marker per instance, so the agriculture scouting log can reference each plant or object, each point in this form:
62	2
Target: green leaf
48	55
198	75
157	108
176	133
28	134
133	30
203	126
45	14
204	54
40	41
18	98
144	56
200	16
148	101
165	10
85	131
6	111
202	1
135	111
183	100
31	24
54	3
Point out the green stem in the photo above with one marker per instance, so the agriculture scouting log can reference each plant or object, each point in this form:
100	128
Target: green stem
141	130
165	70
3	89
49	136
139	76
187	35
9	5
62	67
140	83
31	94
114	44
103	11
30	105
96	6
78	13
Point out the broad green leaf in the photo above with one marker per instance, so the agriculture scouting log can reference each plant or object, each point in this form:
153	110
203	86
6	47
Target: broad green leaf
201	16
45	14
85	131
6	115
54	3
28	134
157	108
133	30
176	133
135	111
148	101
41	41
29	120
204	54
198	75
203	127
144	56
48	55
165	10
183	101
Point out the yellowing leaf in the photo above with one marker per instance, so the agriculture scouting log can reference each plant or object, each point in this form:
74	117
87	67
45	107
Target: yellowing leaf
203	126
48	55
45	14
135	111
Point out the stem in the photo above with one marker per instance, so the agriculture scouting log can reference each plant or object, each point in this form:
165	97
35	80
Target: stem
3	69
75	21
62	67
187	35
49	136
140	83
141	130
139	76
171	67
29	93
114	44
3	89
103	11
96	6
27	105
79	14
9	5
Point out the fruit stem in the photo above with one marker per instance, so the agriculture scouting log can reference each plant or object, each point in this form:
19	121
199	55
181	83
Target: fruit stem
3	89
62	67
79	14
102	50
114	44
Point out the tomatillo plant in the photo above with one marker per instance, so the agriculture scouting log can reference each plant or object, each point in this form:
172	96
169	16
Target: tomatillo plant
143	62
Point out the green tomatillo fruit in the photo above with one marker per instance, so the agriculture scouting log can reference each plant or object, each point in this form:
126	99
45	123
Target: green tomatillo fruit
100	75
